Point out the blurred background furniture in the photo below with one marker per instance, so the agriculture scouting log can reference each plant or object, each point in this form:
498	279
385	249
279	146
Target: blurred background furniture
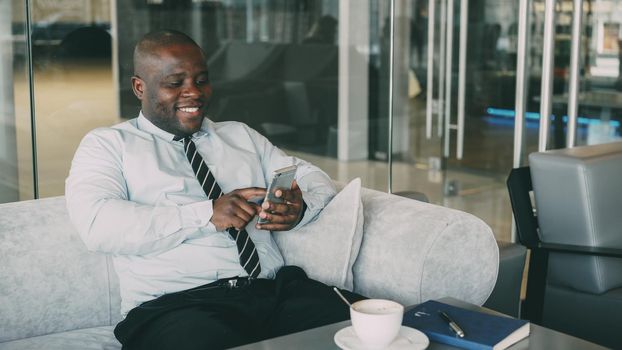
288	92
575	270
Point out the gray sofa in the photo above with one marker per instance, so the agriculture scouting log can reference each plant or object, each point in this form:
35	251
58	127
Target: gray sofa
54	294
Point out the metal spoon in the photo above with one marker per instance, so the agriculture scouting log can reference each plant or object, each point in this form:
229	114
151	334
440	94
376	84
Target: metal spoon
342	297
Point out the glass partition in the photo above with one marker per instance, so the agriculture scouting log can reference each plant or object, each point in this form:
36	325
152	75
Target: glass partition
314	76
274	65
600	82
16	166
454	124
73	82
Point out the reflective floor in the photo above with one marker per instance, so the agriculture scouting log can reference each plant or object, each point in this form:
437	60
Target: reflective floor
68	103
483	197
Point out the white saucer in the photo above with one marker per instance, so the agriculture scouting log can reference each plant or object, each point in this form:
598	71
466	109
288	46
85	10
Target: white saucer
408	338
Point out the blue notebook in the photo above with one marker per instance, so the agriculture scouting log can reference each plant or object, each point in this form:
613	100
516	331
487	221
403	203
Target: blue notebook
481	331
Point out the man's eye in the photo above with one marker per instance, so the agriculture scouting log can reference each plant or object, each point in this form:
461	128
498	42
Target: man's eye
202	81
174	83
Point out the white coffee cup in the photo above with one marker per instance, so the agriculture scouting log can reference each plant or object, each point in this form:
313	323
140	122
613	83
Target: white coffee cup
376	322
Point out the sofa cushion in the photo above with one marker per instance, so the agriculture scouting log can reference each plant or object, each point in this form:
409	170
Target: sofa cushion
97	338
327	247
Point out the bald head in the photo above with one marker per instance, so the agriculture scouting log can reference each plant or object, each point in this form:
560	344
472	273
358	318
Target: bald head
148	47
171	81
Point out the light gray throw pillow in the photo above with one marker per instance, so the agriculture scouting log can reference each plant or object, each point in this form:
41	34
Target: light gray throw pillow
327	247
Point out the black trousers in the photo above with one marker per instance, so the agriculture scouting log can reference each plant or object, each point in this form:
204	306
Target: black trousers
215	316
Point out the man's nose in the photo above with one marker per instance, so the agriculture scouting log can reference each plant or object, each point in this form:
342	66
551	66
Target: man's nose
191	90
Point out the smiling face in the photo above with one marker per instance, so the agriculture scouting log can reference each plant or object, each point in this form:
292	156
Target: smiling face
173	86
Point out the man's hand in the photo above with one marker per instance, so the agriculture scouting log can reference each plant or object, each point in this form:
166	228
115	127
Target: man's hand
282	216
234	209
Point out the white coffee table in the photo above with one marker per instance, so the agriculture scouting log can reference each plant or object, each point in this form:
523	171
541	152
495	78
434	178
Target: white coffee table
322	337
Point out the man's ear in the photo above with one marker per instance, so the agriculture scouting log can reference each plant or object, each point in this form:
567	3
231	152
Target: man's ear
138	86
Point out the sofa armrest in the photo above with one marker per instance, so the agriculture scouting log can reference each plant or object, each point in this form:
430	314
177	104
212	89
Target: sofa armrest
50	282
414	251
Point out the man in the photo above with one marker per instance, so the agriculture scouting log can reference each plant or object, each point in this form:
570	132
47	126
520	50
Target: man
141	191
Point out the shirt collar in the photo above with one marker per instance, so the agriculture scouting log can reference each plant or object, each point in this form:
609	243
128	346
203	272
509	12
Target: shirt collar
146	125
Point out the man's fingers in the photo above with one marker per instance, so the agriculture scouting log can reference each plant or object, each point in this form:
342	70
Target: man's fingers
282	208
224	223
238	211
278	222
237	219
278	218
256	207
244	216
293	195
247	207
232	204
234	210
251	192
286	208
238	223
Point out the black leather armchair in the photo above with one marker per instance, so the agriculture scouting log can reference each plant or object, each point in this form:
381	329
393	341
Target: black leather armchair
575	269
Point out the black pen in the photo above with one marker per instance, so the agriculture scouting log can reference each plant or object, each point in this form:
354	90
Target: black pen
452	324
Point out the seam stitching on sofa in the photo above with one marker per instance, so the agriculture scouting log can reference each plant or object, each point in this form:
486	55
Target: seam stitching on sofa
425	259
109	291
497	256
347	266
427	252
492	288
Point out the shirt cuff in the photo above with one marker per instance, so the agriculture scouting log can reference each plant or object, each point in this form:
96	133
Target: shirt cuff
196	214
303	212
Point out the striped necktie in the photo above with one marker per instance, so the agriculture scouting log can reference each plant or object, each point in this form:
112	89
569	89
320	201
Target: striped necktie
247	252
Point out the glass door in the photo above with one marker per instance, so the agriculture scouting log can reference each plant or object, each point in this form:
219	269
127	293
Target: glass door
461	94
16	156
598	100
456	69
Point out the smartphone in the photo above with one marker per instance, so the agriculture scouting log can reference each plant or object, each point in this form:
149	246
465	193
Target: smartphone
281	179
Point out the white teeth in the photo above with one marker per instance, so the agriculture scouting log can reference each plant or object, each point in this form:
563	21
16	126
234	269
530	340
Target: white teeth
189	109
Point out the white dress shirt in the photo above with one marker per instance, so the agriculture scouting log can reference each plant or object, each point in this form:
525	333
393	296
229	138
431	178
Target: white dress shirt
131	192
